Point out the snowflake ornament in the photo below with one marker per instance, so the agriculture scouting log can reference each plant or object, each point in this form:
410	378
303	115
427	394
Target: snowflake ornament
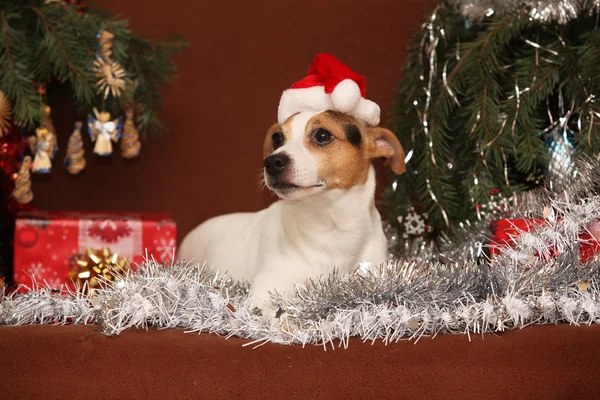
36	269
165	248
111	77
414	224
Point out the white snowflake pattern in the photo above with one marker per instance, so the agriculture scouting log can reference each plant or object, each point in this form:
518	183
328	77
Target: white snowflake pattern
166	248
36	269
54	282
414	225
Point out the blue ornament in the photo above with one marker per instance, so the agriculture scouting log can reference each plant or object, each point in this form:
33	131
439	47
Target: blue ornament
560	168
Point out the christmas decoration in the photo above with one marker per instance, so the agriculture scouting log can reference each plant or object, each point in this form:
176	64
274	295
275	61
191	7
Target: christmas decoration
46	241
111	75
22	191
89	267
399	300
5	112
41	146
11	145
103	131
105	41
47	123
330	85
559	170
130	142
559	11
75	158
42	49
496	94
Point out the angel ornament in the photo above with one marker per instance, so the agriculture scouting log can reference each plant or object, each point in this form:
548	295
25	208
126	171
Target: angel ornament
42	146
49	125
103	131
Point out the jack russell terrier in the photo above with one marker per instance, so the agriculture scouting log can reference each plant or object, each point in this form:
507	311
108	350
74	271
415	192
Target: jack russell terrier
317	160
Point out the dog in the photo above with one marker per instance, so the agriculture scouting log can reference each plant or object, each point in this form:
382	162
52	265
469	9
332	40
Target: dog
319	164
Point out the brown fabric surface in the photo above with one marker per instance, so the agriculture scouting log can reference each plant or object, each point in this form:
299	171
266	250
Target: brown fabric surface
242	55
76	362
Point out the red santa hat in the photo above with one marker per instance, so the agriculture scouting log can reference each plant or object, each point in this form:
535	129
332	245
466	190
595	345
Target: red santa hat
330	85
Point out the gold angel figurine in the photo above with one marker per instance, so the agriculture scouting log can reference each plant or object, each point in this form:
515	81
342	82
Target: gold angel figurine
103	131
42	146
47	123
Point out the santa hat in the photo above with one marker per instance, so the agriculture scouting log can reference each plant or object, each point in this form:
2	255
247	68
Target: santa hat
330	85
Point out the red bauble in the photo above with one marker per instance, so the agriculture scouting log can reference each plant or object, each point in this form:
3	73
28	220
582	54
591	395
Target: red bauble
27	238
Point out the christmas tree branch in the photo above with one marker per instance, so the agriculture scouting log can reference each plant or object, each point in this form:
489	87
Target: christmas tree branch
86	91
15	77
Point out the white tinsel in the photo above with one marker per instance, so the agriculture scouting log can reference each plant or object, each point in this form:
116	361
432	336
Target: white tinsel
400	300
560	11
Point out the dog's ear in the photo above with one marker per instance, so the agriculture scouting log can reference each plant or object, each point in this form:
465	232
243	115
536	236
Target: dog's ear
382	143
268	143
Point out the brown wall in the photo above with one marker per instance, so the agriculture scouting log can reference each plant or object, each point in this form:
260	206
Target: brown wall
242	55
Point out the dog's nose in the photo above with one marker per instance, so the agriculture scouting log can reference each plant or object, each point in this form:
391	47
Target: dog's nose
275	164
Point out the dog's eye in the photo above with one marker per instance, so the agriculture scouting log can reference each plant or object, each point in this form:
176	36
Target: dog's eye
278	140
323	136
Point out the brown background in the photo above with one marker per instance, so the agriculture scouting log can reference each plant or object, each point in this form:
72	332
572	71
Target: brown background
242	54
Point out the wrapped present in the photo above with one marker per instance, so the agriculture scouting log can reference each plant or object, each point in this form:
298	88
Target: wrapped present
58	248
505	231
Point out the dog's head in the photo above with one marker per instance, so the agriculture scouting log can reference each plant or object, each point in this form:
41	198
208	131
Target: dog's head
313	152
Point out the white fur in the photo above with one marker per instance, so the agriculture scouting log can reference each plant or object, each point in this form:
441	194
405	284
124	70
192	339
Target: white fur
314	99
345	96
297	238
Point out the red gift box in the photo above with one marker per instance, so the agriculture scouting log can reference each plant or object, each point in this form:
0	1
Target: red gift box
45	241
505	231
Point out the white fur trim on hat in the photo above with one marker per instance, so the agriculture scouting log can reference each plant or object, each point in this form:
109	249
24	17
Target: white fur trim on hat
313	99
345	98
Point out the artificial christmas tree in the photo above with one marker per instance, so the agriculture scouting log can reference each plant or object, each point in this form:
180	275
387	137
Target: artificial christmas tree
497	98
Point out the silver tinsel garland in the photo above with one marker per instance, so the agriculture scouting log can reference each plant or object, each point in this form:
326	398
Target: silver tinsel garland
559	11
404	299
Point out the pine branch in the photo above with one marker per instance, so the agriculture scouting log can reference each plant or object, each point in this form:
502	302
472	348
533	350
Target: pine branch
64	67
15	77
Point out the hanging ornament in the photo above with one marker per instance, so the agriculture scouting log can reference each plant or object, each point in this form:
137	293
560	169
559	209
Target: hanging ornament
102	131
22	191
41	146
105	41
86	268
109	72
559	170
110	75
5	113
47	123
75	158
130	142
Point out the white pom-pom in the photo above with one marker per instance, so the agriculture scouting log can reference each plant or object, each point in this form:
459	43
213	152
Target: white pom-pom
368	112
345	96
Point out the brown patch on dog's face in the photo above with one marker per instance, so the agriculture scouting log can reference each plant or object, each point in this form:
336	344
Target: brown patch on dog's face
341	160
